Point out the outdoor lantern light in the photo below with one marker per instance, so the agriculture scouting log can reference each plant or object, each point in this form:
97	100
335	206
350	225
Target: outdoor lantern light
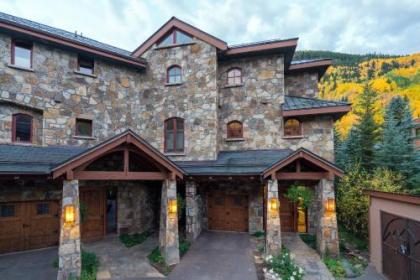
330	205
69	215
172	206
274	204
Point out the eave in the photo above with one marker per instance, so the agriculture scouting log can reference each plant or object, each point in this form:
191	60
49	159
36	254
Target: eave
338	111
319	66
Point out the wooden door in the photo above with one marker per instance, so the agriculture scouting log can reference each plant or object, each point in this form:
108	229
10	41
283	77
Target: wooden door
28	225
227	211
92	204
287	213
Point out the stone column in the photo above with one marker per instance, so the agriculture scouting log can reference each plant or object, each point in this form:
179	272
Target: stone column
327	233
168	232
193	224
69	253
272	216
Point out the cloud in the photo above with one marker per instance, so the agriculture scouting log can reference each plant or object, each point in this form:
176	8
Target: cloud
358	26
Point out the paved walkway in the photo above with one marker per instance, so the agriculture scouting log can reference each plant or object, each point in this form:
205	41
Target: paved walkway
217	256
29	265
370	274
306	257
120	262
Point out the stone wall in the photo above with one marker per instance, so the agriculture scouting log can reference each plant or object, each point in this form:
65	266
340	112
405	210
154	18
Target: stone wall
302	84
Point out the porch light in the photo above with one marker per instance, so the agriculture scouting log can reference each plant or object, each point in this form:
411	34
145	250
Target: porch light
274	204
330	207
172	205
69	215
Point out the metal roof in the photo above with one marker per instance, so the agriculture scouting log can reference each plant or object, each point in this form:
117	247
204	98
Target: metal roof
297	103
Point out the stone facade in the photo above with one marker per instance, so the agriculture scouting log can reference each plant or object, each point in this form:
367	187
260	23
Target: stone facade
273	227
302	84
327	231
69	252
194	221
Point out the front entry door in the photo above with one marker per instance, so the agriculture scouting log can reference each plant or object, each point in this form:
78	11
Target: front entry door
92	209
287	213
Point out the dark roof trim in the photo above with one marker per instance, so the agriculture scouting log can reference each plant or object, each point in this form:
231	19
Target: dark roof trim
339	110
305	154
319	65
405	198
172	23
38	34
261	46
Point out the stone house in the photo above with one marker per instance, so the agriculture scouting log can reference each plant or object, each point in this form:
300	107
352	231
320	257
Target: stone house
96	140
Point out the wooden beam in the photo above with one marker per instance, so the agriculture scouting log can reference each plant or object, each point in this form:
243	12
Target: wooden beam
126	161
301	175
119	175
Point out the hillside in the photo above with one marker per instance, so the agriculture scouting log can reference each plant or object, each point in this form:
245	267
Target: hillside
388	75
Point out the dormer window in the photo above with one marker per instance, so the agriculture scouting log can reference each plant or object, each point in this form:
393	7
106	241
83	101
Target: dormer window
234	77
174	75
293	128
22	128
176	37
85	65
21	54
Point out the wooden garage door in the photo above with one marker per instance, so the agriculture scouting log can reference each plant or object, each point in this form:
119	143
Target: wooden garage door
227	211
28	225
92	204
400	247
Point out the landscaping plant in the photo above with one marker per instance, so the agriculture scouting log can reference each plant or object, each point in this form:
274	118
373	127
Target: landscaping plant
282	266
300	194
335	267
131	240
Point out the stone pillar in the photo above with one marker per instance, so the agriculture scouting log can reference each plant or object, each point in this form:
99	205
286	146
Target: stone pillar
272	216
69	253
168	232
193	224
327	233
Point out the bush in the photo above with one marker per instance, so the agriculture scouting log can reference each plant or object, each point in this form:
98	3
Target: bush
352	204
156	257
90	264
309	239
335	267
184	246
283	266
259	234
131	240
301	195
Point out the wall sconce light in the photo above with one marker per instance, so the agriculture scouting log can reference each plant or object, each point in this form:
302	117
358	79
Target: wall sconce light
172	205
330	207
274	204
69	215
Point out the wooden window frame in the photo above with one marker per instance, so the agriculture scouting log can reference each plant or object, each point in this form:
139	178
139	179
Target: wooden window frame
167	74
300	135
76	131
14	117
173	35
175	132
234	77
230	134
29	46
81	57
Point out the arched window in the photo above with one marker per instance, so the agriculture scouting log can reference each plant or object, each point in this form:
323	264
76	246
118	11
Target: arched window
22	128
174	75
174	135
234	129
234	77
292	127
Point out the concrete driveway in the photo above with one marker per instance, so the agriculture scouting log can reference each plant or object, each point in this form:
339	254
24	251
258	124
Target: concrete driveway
217	256
30	265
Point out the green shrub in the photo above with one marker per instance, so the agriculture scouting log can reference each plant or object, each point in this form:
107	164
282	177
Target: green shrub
156	257
282	266
309	239
90	264
347	237
335	267
258	234
301	195
131	240
184	246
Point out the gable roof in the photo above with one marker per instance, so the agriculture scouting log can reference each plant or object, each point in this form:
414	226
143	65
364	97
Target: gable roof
176	23
41	31
300	106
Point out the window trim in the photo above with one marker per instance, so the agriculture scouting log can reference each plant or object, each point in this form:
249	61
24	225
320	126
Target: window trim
300	135
14	116
229	131
167	74
172	34
165	144
79	57
12	53
76	131
241	77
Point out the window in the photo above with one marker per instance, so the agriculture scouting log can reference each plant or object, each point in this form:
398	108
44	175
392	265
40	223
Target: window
174	75
292	127
234	77
85	65
234	129
21	54
7	210
84	127
43	208
174	135
417	132
175	37
22	128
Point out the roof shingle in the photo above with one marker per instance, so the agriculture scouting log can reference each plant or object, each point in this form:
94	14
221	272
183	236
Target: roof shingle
298	103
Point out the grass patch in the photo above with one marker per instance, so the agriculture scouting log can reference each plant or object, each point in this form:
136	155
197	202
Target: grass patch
158	261
309	239
259	234
335	267
130	240
358	264
348	238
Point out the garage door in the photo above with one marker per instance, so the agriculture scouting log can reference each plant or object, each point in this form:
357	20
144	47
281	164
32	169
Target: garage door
28	225
400	247
227	211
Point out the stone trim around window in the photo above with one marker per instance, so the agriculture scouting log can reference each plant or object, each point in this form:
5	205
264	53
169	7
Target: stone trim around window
20	67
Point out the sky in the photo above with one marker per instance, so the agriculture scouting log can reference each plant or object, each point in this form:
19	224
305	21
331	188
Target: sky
357	26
